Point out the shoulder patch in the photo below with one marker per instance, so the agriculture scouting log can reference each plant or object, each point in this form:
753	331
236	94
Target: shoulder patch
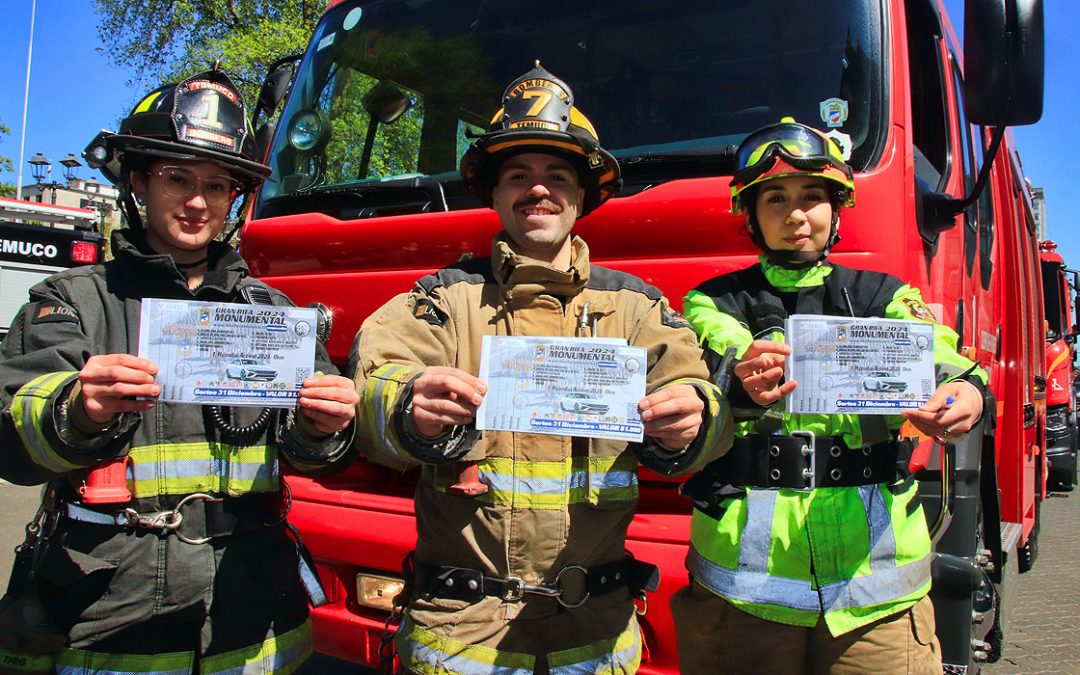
673	319
919	310
53	312
425	310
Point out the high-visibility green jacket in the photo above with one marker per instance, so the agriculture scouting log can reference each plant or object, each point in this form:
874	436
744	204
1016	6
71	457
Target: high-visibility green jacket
851	554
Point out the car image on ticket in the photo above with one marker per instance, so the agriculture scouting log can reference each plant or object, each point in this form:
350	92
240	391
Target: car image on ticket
583	404
249	370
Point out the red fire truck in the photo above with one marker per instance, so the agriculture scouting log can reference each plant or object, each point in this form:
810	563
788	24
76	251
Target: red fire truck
1059	304
365	198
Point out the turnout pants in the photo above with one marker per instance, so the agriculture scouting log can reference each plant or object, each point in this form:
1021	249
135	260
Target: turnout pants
714	637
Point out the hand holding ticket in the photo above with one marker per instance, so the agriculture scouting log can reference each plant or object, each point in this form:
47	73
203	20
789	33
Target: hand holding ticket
228	354
859	366
563	386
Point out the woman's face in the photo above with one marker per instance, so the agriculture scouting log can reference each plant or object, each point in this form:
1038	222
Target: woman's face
186	205
794	213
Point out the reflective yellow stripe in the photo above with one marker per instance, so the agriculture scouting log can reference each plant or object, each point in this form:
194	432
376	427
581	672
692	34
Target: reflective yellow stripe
80	661
553	485
145	104
425	652
281	654
183	468
607	657
380	395
715	403
27	408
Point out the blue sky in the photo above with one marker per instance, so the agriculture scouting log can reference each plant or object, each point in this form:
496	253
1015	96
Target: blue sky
74	92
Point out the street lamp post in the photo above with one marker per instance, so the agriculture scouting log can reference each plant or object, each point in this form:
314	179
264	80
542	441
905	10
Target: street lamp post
41	168
71	166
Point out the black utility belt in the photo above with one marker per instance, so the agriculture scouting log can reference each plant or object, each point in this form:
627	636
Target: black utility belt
219	517
803	461
572	586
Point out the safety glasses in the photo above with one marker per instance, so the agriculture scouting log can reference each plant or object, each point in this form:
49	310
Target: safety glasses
181	184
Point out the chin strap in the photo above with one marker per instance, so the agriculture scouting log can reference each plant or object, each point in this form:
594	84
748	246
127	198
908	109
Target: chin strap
793	260
131	209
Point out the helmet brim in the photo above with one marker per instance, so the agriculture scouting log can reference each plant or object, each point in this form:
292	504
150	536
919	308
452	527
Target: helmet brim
597	169
119	145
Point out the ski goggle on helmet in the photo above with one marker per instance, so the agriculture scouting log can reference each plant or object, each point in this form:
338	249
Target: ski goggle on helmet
789	149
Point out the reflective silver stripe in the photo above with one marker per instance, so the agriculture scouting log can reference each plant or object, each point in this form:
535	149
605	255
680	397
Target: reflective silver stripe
756	587
31	401
81	670
286	660
613	479
527	484
878	588
879	522
886	582
206	467
752	583
558	485
756	536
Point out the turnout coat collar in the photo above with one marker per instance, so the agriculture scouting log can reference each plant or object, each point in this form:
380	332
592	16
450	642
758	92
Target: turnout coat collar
143	272
520	277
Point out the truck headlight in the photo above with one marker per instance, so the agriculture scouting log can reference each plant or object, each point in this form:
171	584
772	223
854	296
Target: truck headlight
376	591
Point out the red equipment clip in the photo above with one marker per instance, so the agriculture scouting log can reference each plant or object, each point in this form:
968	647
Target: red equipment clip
107	483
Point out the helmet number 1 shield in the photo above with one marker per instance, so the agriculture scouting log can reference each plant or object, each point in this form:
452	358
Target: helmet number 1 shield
210	115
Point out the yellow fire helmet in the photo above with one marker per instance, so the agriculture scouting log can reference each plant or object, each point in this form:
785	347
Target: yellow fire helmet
538	115
789	149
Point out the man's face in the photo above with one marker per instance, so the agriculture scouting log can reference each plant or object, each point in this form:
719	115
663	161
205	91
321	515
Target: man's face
538	198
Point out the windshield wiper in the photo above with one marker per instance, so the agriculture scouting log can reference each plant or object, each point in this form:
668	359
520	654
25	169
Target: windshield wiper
389	190
707	154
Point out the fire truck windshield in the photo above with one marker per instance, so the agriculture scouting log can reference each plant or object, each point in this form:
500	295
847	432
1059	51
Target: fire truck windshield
387	96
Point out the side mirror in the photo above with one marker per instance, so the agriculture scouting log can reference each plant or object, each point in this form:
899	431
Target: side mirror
1003	61
1003	84
273	89
387	103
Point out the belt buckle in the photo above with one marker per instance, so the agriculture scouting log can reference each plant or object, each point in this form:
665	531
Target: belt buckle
515	589
519	588
559	585
809	472
197	497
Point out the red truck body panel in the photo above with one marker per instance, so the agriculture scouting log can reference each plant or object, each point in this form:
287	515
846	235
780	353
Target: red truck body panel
674	235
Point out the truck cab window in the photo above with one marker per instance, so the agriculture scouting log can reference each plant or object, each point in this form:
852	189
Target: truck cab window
929	126
986	216
385	99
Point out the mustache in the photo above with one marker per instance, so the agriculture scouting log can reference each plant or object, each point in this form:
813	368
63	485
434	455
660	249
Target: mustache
543	202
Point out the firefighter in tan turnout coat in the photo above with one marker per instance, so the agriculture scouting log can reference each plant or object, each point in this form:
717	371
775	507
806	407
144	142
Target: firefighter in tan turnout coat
520	565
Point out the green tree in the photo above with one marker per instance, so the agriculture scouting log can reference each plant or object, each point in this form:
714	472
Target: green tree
163	40
6	189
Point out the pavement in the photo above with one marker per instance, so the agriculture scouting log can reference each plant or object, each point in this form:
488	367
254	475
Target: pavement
1042	634
1043	631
